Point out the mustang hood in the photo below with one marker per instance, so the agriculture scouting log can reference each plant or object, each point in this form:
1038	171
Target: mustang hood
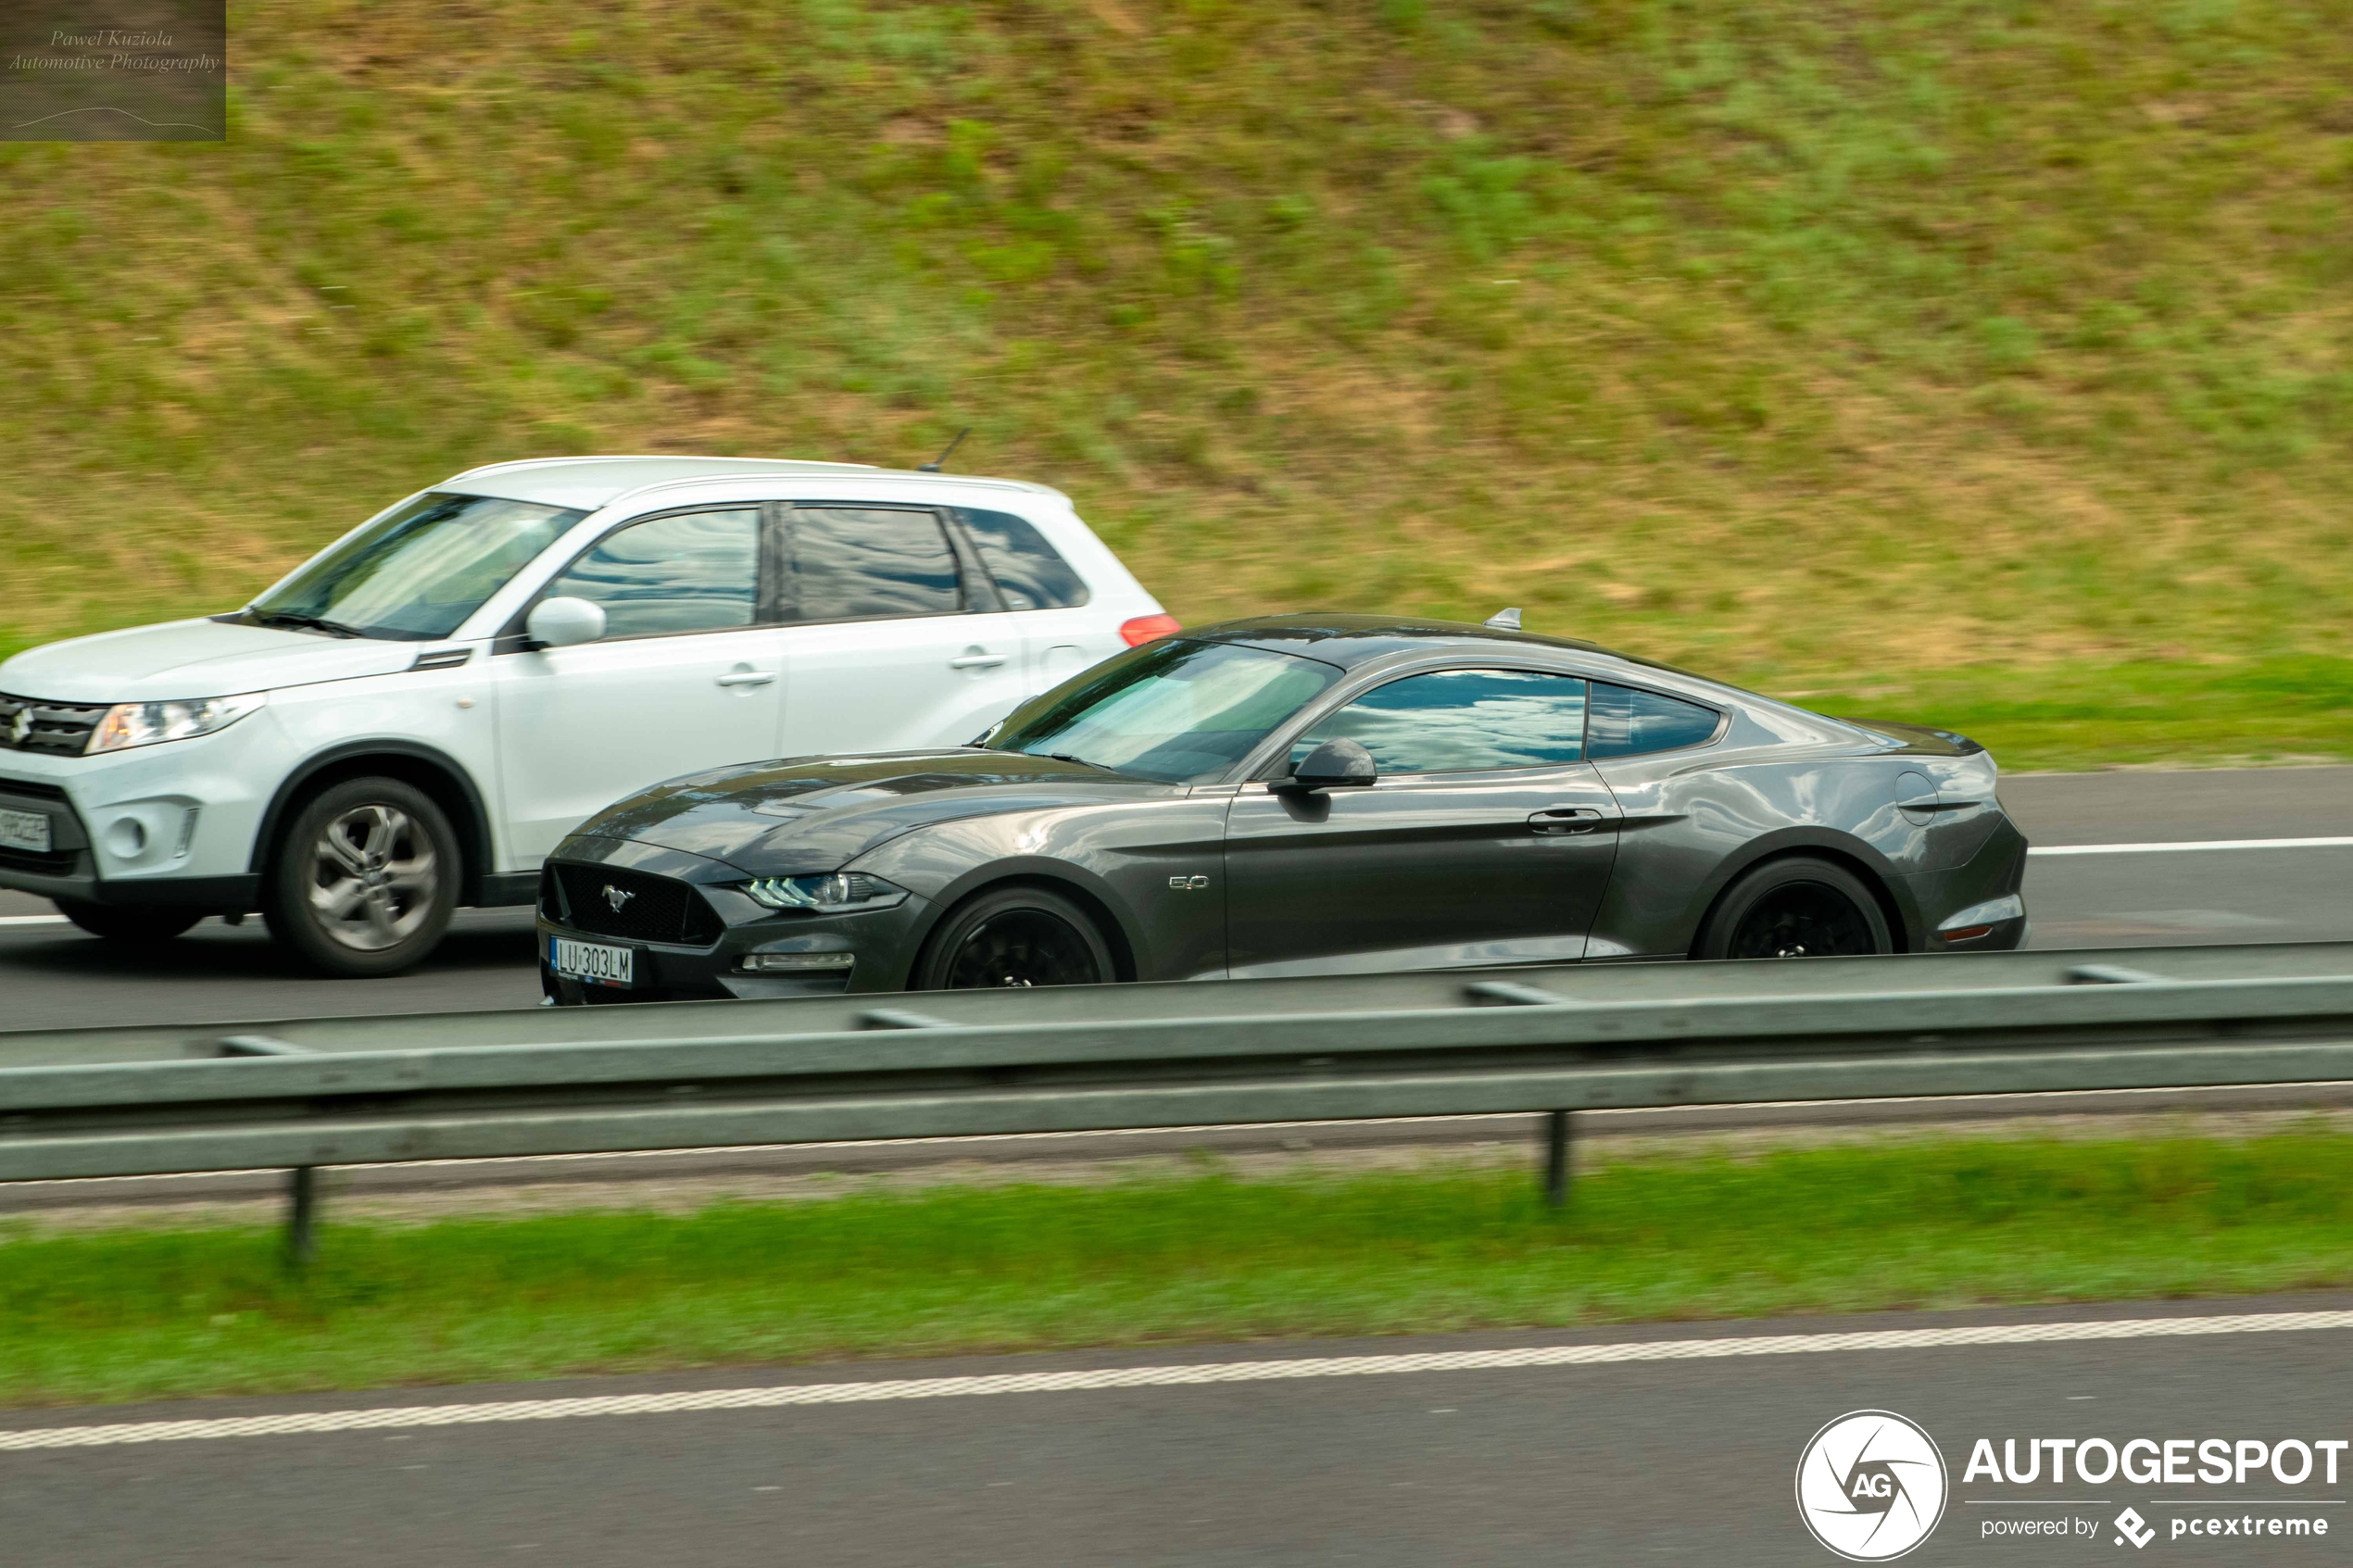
193	659
817	814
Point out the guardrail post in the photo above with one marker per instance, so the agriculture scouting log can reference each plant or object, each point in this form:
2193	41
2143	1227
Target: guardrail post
302	1192
1556	1159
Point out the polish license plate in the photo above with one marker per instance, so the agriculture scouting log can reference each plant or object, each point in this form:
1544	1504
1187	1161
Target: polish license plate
24	830
592	961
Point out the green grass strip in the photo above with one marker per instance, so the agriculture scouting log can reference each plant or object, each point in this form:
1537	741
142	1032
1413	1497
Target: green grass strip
2078	716
142	1314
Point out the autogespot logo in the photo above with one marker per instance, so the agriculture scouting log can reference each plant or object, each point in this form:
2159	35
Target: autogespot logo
1871	1485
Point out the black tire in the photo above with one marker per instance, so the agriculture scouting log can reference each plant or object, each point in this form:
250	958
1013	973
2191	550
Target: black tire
127	925
1015	937
1800	907
364	878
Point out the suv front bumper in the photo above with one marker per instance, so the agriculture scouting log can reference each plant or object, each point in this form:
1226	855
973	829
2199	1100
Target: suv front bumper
70	869
170	826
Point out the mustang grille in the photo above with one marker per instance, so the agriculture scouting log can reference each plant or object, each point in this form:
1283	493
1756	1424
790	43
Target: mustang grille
59	728
653	909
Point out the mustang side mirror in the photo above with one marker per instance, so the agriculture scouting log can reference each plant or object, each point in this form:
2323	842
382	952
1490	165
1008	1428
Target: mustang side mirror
1336	764
561	621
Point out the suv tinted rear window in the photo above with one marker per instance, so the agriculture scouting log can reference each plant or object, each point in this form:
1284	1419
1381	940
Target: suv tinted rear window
849	563
1028	571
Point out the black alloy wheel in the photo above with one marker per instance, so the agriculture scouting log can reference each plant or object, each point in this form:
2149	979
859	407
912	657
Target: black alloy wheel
1799	908
128	926
1017	937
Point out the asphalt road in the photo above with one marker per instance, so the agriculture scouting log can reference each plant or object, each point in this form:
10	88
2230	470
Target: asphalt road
53	977
1672	1460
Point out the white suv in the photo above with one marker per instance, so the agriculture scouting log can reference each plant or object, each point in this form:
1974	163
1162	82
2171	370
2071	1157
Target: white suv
414	718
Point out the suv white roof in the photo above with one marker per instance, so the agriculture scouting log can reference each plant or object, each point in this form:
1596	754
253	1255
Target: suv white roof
588	483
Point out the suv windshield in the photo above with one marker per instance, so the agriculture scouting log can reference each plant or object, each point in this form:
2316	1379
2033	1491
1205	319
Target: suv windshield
1178	711
417	575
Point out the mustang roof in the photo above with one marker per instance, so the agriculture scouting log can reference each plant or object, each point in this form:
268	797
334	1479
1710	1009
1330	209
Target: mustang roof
1351	640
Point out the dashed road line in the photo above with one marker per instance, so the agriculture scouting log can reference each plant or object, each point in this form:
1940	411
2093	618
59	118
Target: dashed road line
2173	848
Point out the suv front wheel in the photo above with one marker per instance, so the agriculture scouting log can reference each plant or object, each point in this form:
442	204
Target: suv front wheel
364	878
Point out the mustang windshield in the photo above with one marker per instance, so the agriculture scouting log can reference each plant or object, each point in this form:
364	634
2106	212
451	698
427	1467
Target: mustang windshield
1178	711
417	575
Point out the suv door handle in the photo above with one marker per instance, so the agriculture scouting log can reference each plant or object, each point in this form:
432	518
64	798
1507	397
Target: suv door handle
976	659
747	678
1566	818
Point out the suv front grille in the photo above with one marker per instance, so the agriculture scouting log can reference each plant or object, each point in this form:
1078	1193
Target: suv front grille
65	829
58	863
61	729
650	908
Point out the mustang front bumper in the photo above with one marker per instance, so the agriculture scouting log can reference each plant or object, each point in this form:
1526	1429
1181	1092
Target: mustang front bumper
781	956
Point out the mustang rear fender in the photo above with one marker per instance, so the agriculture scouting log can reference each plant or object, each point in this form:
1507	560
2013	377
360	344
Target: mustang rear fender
1903	921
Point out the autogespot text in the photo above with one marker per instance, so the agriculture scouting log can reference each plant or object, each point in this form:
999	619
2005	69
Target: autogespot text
2168	1462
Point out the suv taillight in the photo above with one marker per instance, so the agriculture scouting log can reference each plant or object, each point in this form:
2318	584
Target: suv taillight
1146	628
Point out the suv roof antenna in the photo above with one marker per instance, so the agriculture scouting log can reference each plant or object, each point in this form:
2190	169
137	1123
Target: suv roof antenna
933	467
1505	620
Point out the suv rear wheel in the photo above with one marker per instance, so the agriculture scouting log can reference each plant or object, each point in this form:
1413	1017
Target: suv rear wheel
364	879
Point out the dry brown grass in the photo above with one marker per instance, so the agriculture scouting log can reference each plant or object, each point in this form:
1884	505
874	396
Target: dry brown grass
1870	346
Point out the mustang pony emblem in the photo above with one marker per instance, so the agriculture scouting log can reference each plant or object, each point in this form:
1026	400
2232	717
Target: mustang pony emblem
21	726
617	897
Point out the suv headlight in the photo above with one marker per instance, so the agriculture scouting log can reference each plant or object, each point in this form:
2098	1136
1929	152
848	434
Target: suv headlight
145	723
835	893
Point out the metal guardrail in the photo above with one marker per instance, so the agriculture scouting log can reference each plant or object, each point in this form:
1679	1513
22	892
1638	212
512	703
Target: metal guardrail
303	1095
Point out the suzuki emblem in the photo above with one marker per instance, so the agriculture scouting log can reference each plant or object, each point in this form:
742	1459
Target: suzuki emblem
616	896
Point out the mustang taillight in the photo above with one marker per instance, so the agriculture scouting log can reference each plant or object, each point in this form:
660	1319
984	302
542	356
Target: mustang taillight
1148	628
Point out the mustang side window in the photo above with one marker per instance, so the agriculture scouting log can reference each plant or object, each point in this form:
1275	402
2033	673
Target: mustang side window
1627	722
691	572
1029	573
854	563
1462	721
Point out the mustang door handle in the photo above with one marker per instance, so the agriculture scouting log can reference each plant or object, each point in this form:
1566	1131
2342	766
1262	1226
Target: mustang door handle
1566	818
978	661
747	677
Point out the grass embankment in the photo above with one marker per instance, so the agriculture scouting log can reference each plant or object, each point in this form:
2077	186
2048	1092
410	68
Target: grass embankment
132	1315
1966	353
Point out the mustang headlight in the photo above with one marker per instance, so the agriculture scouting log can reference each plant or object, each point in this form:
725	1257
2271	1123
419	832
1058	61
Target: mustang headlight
835	893
145	723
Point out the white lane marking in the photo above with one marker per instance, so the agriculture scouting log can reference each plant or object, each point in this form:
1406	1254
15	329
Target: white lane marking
1159	1377
2344	843
32	919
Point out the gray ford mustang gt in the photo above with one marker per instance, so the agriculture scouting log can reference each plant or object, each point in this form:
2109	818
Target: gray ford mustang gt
1299	794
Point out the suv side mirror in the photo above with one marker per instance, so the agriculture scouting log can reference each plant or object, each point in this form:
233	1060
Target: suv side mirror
560	622
1336	764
